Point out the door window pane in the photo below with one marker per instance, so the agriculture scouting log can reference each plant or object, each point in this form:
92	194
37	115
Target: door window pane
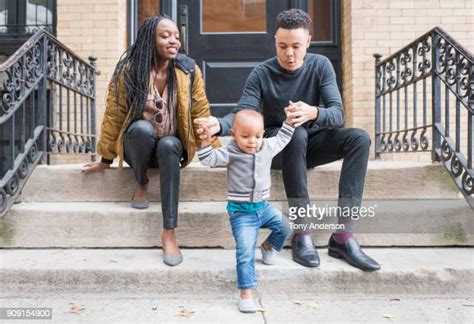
146	9
321	14
39	12
233	16
26	17
3	13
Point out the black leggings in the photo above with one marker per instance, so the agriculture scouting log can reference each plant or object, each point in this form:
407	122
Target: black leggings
142	151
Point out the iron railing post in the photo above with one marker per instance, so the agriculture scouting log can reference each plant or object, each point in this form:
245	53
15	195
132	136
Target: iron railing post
470	119
93	60
42	104
378	76
435	97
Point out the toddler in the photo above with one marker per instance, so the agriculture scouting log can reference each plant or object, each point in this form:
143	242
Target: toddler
248	158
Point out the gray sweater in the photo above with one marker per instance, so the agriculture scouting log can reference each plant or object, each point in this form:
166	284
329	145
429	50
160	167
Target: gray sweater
249	175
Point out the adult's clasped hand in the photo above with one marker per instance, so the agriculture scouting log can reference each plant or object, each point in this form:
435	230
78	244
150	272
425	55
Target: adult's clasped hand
300	112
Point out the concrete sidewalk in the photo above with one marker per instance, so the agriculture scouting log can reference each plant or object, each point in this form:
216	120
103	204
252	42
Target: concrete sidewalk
439	271
275	308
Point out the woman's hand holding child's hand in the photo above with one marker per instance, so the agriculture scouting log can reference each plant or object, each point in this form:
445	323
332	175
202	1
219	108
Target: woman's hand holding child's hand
205	134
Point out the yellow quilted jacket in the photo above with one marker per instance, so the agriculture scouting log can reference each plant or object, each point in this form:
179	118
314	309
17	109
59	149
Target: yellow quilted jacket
118	114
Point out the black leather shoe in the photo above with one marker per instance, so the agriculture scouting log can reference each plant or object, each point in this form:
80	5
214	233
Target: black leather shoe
352	253
304	252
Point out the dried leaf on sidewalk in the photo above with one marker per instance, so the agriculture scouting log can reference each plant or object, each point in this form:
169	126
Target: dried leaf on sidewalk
73	308
388	316
395	299
186	313
261	310
298	302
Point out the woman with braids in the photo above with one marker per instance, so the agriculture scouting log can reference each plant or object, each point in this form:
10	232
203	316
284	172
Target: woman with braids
153	98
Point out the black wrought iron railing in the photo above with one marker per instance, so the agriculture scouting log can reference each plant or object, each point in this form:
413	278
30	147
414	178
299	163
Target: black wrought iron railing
47	106
424	101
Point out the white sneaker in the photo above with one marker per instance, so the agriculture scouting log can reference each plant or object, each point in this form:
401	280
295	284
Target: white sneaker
268	257
247	305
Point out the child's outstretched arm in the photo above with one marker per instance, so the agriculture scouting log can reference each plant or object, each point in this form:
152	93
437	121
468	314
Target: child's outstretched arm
209	156
213	157
282	138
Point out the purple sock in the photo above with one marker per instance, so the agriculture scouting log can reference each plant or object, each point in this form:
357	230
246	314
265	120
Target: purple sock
342	237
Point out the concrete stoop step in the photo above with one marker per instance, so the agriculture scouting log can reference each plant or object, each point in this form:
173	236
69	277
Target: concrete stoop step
416	204
385	180
206	224
440	271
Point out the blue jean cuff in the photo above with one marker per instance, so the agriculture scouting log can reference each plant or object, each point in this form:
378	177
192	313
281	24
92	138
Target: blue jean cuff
248	286
275	248
282	244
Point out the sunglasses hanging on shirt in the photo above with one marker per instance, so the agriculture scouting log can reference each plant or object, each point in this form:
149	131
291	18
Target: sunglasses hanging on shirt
159	104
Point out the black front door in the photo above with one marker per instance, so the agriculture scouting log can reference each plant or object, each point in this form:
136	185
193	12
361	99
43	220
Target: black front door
227	38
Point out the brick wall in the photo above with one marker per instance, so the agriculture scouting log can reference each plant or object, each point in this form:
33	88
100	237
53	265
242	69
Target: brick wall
385	26
94	27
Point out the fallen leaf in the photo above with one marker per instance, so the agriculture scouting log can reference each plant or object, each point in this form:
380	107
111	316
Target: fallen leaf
261	310
314	305
186	313
75	309
298	302
388	316
395	299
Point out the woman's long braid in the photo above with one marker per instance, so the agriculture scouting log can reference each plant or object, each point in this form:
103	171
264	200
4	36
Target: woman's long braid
136	64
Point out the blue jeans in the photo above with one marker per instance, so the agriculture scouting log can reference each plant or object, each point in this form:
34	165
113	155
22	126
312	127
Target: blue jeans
245	227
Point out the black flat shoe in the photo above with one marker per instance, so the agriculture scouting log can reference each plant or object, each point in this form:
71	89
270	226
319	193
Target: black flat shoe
352	253
304	252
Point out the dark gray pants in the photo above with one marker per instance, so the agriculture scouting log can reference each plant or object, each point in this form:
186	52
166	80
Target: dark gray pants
321	147
142	151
